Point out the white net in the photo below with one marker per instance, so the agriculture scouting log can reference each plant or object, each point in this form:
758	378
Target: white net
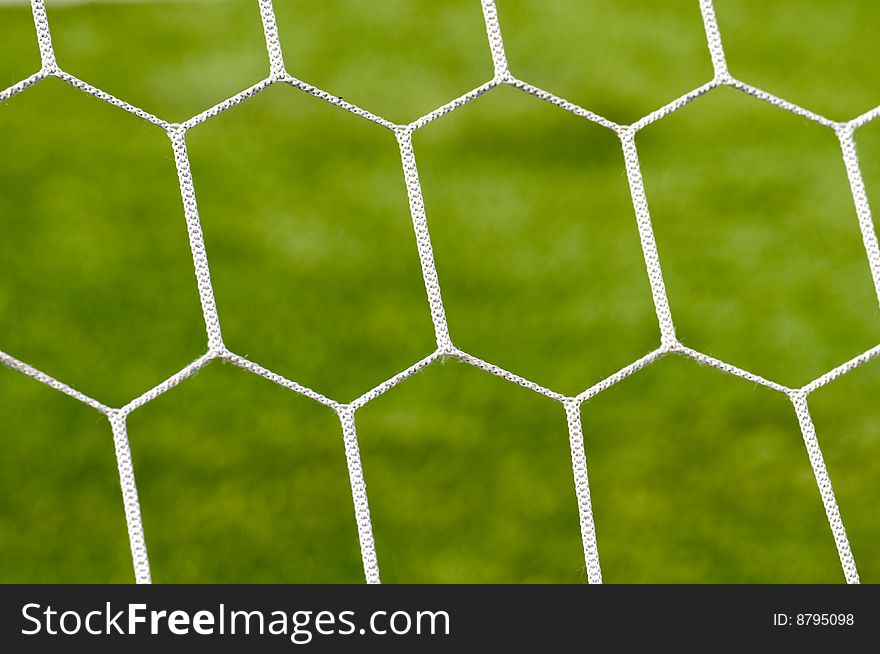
347	412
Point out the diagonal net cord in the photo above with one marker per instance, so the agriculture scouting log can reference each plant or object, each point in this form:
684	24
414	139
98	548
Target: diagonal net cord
669	345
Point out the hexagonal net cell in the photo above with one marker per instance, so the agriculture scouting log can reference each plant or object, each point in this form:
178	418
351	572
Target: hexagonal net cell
97	286
762	251
173	58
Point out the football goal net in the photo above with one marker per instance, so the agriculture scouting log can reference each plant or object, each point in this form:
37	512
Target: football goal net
668	344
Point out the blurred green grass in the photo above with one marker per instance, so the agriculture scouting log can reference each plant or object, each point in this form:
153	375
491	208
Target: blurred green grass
696	476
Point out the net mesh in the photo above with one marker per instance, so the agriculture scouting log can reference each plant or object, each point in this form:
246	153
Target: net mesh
669	345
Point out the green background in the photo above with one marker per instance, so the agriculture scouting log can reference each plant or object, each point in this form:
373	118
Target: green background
696	476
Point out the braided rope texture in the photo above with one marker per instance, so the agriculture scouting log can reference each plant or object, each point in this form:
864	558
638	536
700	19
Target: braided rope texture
669	344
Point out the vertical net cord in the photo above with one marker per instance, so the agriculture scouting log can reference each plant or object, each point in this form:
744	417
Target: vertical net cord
713	40
423	240
496	42
646	236
359	495
823	481
196	241
860	200
44	37
130	501
345	412
582	491
273	43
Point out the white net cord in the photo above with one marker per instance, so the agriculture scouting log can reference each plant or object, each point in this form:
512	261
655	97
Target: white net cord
668	343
